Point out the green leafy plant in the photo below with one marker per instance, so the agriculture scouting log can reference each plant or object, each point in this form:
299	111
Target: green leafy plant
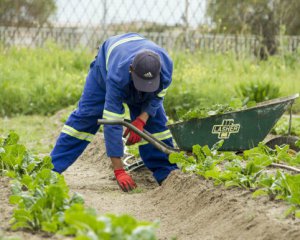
15	160
282	126
258	91
201	112
43	202
246	171
86	224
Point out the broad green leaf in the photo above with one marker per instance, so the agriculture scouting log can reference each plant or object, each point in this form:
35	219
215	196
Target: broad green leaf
16	187
297	213
259	193
293	181
13	155
47	162
262	160
22	219
57	196
232	184
290	210
197	151
144	233
77	198
30	167
2	150
207	151
11	174
213	173
51	227
217	145
11	139
177	157
26	180
15	199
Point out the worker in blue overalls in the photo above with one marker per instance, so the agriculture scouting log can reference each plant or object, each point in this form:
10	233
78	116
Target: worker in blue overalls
128	69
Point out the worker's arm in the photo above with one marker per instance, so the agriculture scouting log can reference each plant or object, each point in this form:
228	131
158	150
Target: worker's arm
116	163
149	109
152	105
114	110
144	116
114	143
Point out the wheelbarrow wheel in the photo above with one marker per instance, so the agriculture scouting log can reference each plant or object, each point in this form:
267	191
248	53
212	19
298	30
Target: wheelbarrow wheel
289	140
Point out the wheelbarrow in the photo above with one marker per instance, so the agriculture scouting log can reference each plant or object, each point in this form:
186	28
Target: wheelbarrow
240	130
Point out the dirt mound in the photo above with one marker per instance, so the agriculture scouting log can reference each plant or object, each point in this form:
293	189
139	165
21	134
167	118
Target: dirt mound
186	206
95	170
198	210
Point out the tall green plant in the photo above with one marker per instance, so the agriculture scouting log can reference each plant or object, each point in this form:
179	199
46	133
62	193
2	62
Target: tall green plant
258	91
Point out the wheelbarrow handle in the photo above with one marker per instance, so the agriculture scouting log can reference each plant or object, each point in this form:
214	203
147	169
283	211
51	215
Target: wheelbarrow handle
144	134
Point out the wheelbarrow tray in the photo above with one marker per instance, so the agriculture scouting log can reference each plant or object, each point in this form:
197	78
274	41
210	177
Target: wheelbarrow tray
240	130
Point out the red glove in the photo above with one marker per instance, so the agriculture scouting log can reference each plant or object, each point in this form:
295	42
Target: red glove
124	180
133	137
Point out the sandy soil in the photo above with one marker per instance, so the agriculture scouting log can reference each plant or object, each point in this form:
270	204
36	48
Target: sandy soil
186	206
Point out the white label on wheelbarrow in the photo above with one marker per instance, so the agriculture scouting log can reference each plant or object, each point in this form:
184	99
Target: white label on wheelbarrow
226	129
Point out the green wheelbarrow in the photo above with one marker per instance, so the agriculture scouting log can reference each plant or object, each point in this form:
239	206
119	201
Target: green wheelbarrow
240	130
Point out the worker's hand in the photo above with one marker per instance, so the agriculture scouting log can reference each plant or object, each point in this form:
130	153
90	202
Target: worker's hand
133	137
124	180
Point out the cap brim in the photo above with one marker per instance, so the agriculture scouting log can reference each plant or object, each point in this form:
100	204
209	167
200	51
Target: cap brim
143	85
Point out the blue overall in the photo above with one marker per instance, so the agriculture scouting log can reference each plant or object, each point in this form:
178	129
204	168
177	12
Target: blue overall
109	85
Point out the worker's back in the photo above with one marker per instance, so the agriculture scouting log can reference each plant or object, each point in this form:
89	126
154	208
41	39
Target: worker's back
117	53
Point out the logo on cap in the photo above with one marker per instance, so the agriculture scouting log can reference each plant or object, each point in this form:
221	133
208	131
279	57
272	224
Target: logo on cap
148	75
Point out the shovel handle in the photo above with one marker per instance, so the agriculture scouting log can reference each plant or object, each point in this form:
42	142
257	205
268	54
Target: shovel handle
144	134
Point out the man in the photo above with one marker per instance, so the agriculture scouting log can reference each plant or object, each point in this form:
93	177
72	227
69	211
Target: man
128	69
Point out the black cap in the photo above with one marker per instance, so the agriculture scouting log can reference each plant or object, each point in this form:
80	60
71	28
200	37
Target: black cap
146	71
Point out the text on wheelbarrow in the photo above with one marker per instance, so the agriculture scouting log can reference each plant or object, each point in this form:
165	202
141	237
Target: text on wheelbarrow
226	128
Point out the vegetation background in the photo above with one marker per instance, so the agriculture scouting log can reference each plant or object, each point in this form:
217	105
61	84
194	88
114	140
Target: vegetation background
221	50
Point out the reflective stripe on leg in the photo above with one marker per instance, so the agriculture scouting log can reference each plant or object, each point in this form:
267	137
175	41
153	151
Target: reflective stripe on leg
77	134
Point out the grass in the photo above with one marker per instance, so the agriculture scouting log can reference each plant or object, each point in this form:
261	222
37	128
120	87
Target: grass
41	80
44	80
35	131
207	78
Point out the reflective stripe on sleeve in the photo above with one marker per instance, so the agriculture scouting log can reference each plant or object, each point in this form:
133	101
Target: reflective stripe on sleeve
74	133
117	44
112	116
163	92
160	136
